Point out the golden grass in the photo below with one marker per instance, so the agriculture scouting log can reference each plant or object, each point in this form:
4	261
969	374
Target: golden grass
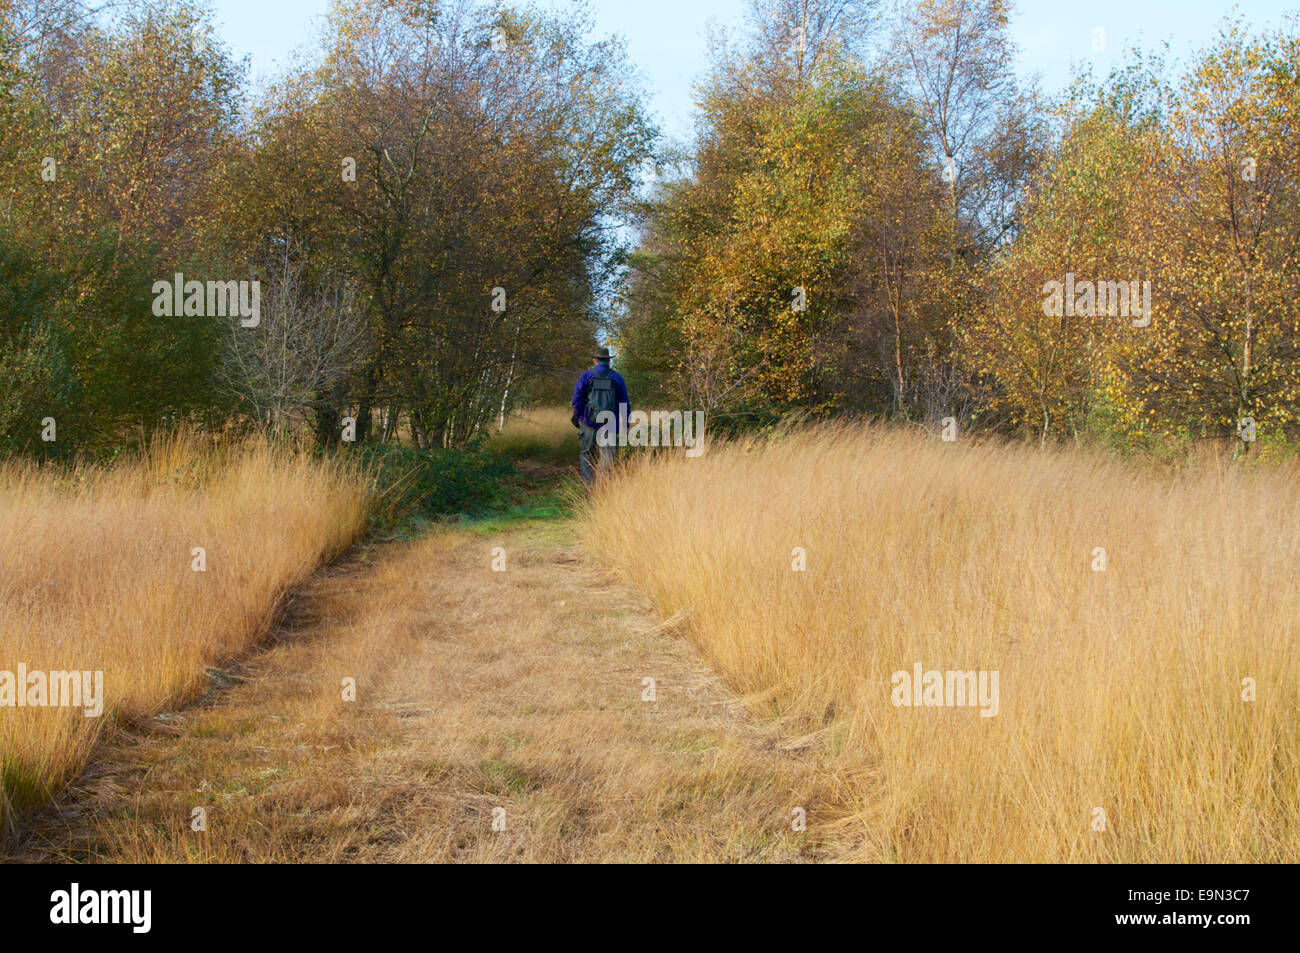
1119	690
542	433
96	574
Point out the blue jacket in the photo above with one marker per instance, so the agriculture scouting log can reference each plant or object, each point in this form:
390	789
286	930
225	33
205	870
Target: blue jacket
584	386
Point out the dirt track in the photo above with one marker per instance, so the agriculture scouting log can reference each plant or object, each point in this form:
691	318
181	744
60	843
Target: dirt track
499	716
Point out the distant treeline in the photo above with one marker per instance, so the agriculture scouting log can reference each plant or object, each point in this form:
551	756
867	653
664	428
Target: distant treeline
428	203
877	218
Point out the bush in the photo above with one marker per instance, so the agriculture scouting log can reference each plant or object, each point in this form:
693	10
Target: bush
432	483
79	343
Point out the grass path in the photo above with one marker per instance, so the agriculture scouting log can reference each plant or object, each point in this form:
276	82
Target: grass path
513	696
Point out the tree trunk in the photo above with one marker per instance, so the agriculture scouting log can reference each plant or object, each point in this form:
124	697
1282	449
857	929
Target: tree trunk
1247	358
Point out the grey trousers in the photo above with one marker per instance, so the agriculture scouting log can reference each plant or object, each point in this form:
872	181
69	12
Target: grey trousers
590	456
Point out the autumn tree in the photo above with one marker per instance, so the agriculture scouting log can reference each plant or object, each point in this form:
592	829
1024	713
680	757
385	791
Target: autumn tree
792	265
1049	363
114	124
467	167
1184	185
1223	243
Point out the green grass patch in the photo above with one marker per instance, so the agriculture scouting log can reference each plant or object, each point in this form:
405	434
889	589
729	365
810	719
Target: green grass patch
505	777
483	489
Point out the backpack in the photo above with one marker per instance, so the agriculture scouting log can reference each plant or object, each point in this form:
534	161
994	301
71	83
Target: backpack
601	396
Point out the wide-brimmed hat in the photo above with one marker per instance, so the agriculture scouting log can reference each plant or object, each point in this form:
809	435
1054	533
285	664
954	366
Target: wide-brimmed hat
602	354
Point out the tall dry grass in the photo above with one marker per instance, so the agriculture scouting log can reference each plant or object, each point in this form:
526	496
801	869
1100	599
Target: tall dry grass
538	433
97	574
1119	690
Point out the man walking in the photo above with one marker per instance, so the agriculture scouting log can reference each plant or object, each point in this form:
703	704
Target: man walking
599	389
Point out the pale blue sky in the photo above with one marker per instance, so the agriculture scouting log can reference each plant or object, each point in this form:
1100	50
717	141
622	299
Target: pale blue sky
666	38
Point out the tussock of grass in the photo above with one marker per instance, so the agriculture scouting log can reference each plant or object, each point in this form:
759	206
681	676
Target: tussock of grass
1120	690
96	573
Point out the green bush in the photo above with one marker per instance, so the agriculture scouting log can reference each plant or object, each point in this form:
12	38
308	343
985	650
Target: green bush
433	483
79	343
